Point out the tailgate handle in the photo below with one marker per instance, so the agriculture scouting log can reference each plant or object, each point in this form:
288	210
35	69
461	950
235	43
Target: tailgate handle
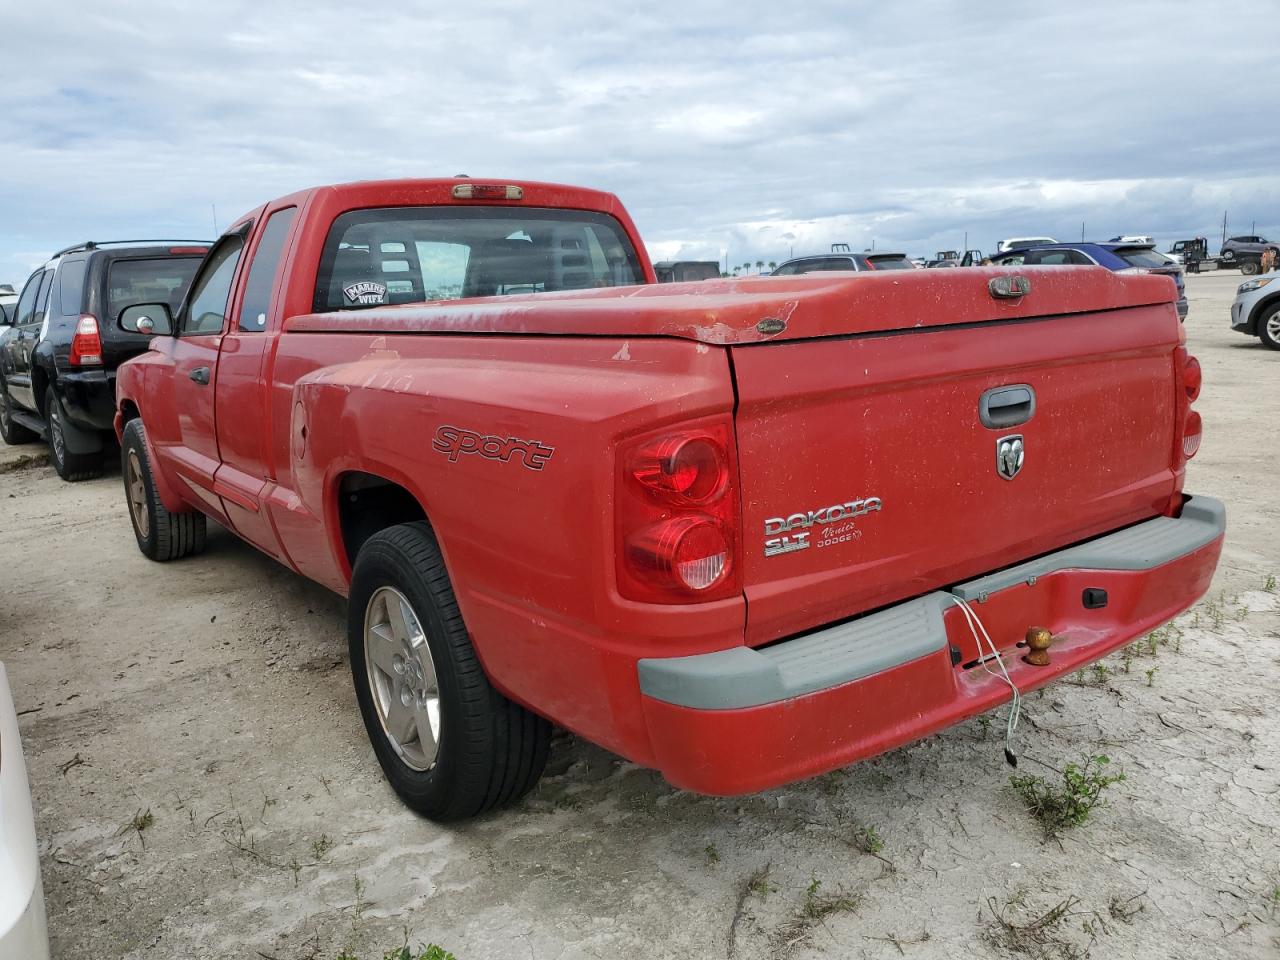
1007	406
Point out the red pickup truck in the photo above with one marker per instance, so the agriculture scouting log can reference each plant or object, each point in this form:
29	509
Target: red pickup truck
744	531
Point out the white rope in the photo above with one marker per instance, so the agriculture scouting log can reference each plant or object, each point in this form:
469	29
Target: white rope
979	631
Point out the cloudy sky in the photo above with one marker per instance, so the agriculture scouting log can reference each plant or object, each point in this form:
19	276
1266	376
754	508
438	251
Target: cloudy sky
748	129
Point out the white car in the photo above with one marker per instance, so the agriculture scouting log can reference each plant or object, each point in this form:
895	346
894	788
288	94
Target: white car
1256	311
23	935
1013	243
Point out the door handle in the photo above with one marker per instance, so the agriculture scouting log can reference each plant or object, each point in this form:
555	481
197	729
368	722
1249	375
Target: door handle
1007	406
200	375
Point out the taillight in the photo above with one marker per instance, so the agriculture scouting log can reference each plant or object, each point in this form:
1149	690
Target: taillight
677	515
1192	377
1192	427
86	344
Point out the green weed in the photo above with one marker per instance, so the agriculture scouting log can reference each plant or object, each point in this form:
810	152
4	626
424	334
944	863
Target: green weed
1069	804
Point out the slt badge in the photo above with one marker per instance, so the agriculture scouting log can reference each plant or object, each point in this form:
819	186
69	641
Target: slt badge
775	545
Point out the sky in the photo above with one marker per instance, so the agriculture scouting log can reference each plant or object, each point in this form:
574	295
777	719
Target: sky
739	132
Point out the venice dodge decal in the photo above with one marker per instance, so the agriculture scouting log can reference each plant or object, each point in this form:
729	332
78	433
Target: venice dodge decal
835	521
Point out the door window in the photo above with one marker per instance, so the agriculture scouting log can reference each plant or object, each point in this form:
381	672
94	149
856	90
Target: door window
42	298
207	307
262	272
26	307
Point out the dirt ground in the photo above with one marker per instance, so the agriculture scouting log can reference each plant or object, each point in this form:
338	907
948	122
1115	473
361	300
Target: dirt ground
203	786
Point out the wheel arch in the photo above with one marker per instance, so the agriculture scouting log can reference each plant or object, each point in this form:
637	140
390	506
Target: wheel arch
1260	309
366	503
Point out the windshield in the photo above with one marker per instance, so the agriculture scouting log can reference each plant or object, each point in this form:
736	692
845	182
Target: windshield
416	254
155	280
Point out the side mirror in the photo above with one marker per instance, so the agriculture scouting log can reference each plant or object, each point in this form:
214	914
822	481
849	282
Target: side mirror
149	319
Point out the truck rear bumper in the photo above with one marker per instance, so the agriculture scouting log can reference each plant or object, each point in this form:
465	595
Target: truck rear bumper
744	719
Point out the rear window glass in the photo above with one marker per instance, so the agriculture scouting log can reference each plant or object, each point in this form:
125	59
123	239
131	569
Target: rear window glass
71	286
417	254
895	262
154	280
1142	257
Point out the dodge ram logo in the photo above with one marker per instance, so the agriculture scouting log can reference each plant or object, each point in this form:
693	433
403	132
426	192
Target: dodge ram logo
456	441
1010	454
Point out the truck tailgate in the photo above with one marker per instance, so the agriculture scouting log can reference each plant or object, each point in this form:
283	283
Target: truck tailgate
869	477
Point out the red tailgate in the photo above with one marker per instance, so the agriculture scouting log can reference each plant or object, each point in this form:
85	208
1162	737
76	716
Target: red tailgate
869	455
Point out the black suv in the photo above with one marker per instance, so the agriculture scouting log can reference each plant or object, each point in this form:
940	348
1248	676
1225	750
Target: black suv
60	348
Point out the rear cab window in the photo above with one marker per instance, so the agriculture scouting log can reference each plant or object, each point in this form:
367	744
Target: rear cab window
418	254
148	280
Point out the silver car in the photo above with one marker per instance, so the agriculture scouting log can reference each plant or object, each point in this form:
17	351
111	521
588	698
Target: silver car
1256	311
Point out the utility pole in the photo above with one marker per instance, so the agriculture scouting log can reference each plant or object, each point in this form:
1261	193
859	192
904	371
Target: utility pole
1082	231
1224	226
213	207
966	243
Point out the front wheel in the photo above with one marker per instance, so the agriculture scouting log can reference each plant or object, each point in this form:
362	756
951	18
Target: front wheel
11	431
161	535
1250	267
1269	327
449	743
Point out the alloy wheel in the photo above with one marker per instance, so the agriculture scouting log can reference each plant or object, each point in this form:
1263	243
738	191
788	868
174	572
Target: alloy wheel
402	678
138	496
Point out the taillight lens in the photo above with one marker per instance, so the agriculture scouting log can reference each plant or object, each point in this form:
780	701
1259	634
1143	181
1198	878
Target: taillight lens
86	344
677	515
1192	377
1191	430
689	468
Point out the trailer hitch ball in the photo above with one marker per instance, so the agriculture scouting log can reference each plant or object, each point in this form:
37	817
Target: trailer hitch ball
1038	642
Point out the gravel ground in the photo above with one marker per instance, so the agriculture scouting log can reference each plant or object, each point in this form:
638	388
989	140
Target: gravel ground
204	788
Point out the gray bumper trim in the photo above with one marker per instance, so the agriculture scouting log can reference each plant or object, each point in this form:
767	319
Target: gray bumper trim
1140	547
744	677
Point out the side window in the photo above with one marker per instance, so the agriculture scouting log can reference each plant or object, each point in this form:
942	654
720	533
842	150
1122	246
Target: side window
207	305
71	287
26	306
786	271
262	272
42	298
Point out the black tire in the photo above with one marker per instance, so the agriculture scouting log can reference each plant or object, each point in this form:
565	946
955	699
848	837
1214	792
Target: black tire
161	535
1250	267
1228	255
71	467
1269	326
490	751
12	432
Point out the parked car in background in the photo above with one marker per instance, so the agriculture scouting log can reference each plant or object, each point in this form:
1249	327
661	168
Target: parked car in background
60	351
1256	310
858	262
7	301
1117	257
23	935
574	496
677	271
1012	243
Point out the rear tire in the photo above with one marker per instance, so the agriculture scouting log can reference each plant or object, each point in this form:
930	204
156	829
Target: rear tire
161	535
1269	327
71	467
11	431
462	747
1250	267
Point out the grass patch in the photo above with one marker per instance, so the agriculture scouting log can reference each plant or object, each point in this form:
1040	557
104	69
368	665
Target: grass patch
814	909
1058	807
